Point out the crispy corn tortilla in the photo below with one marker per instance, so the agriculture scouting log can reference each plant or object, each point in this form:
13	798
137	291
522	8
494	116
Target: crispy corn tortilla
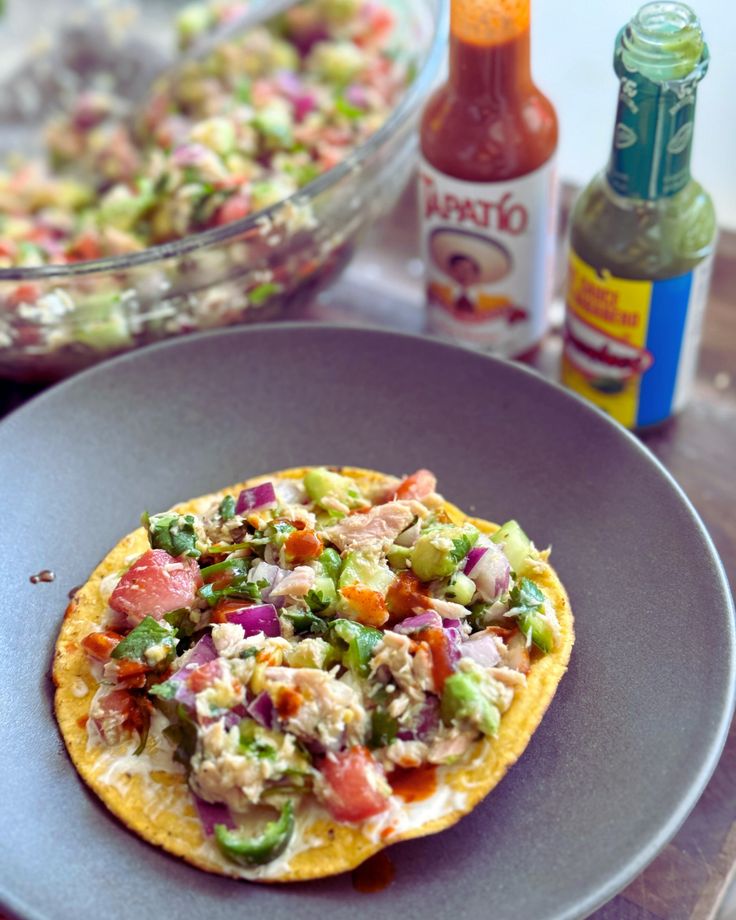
150	795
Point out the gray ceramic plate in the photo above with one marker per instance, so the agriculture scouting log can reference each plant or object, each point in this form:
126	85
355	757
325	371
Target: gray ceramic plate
630	739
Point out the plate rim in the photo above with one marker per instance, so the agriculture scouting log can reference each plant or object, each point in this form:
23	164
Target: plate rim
609	888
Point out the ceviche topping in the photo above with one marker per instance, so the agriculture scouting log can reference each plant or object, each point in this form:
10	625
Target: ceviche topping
238	131
309	639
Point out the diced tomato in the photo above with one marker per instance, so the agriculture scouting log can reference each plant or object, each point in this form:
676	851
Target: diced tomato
84	248
381	23
8	249
117	713
419	485
156	584
127	673
235	208
204	676
99	645
356	786
24	293
220	580
500	631
439	645
303	546
405	594
368	606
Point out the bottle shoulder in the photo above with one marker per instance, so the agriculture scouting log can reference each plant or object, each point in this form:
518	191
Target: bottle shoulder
485	139
635	238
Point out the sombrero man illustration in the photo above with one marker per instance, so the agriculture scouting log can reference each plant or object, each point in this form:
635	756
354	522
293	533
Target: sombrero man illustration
469	263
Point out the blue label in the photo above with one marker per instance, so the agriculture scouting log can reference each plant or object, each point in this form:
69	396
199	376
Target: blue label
630	345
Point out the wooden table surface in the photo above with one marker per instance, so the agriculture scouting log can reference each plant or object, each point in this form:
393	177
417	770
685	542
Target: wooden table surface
690	876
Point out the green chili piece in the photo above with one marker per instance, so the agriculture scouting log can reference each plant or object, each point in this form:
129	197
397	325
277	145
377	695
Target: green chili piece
255	851
147	634
356	643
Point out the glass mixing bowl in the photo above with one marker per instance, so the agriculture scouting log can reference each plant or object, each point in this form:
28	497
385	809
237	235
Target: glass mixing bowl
55	320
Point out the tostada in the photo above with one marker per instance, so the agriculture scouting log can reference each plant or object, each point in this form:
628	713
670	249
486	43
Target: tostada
279	680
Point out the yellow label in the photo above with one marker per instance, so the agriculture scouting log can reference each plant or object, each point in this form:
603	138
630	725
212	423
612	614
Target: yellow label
605	339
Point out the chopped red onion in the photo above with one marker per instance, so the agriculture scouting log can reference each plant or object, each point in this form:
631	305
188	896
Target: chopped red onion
190	154
235	715
474	556
356	95
454	642
258	618
414	624
211	814
256	498
261	710
273	574
451	624
482	649
490	571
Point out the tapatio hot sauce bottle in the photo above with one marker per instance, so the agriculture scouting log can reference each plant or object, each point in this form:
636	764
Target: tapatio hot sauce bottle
487	185
643	232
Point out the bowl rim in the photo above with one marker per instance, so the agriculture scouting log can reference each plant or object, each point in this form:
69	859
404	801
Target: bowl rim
410	101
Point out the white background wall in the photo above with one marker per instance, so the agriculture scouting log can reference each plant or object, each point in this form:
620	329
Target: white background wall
572	51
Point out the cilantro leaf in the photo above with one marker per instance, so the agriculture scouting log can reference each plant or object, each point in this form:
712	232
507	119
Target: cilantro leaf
317	601
254	741
172	532
526	595
304	621
238	587
527	604
384	728
181	620
462	545
164	691
183	734
227	508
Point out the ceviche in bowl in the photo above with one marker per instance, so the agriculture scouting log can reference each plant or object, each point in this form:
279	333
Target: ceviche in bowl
133	208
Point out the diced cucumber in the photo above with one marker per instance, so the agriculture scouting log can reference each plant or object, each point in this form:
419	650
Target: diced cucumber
459	589
516	545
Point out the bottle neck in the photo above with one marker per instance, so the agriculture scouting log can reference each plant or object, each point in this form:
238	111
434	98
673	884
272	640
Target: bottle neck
660	56
498	72
489	48
652	142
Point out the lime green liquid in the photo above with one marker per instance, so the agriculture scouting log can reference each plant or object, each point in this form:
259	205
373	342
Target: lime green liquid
640	239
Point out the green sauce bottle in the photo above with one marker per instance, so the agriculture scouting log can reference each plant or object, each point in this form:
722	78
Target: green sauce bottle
643	232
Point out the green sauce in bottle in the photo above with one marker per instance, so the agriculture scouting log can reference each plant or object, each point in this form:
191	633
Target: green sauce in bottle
643	232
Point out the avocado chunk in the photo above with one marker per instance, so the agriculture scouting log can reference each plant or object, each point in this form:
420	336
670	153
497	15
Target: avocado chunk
365	569
465	698
321	484
398	557
312	653
440	548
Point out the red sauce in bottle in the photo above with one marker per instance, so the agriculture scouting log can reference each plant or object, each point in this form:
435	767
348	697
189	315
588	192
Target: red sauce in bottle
487	184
